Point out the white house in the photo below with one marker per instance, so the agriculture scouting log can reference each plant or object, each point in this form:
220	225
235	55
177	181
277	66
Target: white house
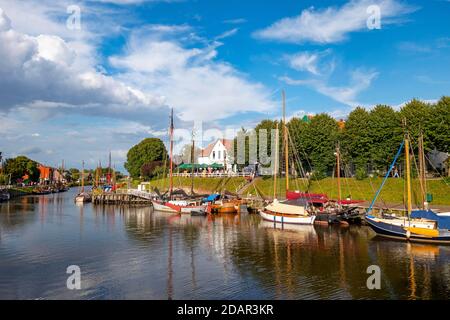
219	152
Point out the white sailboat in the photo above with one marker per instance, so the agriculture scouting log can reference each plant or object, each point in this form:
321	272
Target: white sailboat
83	196
289	212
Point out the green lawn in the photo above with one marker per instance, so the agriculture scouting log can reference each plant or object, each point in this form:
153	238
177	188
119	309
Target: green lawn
201	185
361	190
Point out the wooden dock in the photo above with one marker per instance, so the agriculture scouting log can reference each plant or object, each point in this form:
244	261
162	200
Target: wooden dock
121	198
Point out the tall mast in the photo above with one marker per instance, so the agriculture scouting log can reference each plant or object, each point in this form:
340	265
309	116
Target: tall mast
61	174
82	177
275	173
286	141
97	174
408	176
423	183
114	178
101	177
193	161
109	169
338	167
171	129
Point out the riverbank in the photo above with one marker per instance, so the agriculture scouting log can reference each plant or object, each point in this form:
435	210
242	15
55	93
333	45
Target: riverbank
365	189
134	252
18	191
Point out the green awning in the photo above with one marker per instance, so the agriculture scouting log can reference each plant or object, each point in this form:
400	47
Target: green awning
188	166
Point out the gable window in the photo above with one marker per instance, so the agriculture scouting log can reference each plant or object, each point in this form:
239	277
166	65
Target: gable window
214	155
219	156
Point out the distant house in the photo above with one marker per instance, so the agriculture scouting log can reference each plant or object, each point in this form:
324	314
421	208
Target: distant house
439	160
218	152
49	175
46	174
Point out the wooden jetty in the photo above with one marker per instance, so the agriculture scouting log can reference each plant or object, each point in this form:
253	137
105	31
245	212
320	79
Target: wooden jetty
125	197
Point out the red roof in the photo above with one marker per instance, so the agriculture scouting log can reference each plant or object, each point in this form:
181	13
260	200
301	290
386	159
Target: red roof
229	144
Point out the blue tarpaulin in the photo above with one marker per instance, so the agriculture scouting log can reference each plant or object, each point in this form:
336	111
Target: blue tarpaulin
212	198
443	222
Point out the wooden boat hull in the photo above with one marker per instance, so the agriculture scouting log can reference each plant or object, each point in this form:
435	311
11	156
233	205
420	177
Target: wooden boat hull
407	234
224	209
327	218
172	208
286	218
82	199
189	210
199	213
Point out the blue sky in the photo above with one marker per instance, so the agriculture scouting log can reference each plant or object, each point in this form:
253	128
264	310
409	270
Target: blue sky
76	94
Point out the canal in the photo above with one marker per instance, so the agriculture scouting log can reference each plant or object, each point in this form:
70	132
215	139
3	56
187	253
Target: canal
135	253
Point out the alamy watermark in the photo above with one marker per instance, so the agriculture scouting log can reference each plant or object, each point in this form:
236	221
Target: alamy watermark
374	20
74	280
374	280
73	22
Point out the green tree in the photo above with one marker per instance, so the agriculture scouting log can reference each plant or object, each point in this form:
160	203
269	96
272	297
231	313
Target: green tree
297	128
151	169
386	133
439	127
21	166
320	138
74	174
148	150
418	119
356	142
4	179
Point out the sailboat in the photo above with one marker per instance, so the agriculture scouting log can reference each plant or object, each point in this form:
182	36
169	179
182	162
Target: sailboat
290	211
171	205
83	196
418	226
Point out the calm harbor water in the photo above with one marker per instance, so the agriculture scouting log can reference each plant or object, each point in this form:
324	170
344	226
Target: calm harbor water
135	253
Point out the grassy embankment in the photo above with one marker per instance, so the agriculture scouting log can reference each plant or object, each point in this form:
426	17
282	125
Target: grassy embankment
20	191
358	189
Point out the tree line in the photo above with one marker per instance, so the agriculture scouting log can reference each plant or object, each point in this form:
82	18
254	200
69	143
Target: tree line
368	139
13	170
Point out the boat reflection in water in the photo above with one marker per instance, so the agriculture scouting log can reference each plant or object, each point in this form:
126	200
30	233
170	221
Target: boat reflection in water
138	253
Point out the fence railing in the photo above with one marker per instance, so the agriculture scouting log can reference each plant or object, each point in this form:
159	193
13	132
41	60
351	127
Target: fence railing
214	175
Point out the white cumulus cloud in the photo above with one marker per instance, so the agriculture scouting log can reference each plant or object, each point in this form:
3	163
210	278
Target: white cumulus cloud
331	24
360	80
195	82
42	68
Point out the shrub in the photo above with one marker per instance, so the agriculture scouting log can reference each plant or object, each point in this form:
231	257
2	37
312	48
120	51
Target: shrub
361	174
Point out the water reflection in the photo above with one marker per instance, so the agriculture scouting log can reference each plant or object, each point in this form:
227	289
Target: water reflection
135	253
